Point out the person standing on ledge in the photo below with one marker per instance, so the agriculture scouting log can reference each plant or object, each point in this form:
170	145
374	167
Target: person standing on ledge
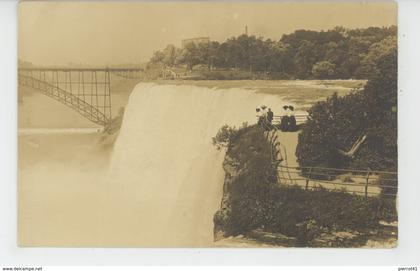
270	116
284	124
264	116
292	120
264	111
259	116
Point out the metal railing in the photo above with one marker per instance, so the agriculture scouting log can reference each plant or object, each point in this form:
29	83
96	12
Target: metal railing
299	118
357	181
365	182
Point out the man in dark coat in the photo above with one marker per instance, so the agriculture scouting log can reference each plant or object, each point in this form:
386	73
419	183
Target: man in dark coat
270	116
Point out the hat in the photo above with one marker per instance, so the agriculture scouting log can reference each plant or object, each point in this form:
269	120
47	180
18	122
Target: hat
263	106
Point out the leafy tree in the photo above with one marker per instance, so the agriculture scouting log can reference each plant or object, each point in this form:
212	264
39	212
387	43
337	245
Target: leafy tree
337	123
337	53
191	55
157	57
367	68
324	70
169	55
305	59
253	199
213	57
224	136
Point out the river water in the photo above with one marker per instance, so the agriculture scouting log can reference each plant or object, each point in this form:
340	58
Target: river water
158	187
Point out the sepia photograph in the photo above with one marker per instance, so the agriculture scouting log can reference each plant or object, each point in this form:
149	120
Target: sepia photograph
207	124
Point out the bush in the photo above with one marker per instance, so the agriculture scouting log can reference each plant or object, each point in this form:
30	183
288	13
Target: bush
224	136
257	201
338	122
227	134
281	209
324	70
332	125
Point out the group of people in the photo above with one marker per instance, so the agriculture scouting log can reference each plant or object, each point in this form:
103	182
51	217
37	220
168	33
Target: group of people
288	120
265	118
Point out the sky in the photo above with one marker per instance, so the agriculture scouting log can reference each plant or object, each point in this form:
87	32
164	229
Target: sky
110	33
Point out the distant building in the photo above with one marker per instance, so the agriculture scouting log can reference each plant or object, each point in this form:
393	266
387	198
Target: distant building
196	41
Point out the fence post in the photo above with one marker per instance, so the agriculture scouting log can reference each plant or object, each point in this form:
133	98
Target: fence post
367	184
273	153
307	179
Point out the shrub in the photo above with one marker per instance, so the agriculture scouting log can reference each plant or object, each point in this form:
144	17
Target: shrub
338	122
332	125
257	201
224	136
324	70
227	134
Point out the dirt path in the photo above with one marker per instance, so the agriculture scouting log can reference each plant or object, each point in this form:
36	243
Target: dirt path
288	142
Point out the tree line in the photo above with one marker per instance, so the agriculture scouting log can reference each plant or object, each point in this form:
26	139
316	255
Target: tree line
304	54
338	122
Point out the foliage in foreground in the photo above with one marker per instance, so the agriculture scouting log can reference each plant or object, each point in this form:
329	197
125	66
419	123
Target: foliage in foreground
257	201
338	122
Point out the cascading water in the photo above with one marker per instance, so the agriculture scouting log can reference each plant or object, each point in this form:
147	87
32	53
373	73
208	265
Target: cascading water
164	161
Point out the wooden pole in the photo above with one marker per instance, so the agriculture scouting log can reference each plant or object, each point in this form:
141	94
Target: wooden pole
109	95
307	179
367	184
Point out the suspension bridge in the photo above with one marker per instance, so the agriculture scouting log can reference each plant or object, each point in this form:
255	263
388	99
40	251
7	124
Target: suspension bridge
85	90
